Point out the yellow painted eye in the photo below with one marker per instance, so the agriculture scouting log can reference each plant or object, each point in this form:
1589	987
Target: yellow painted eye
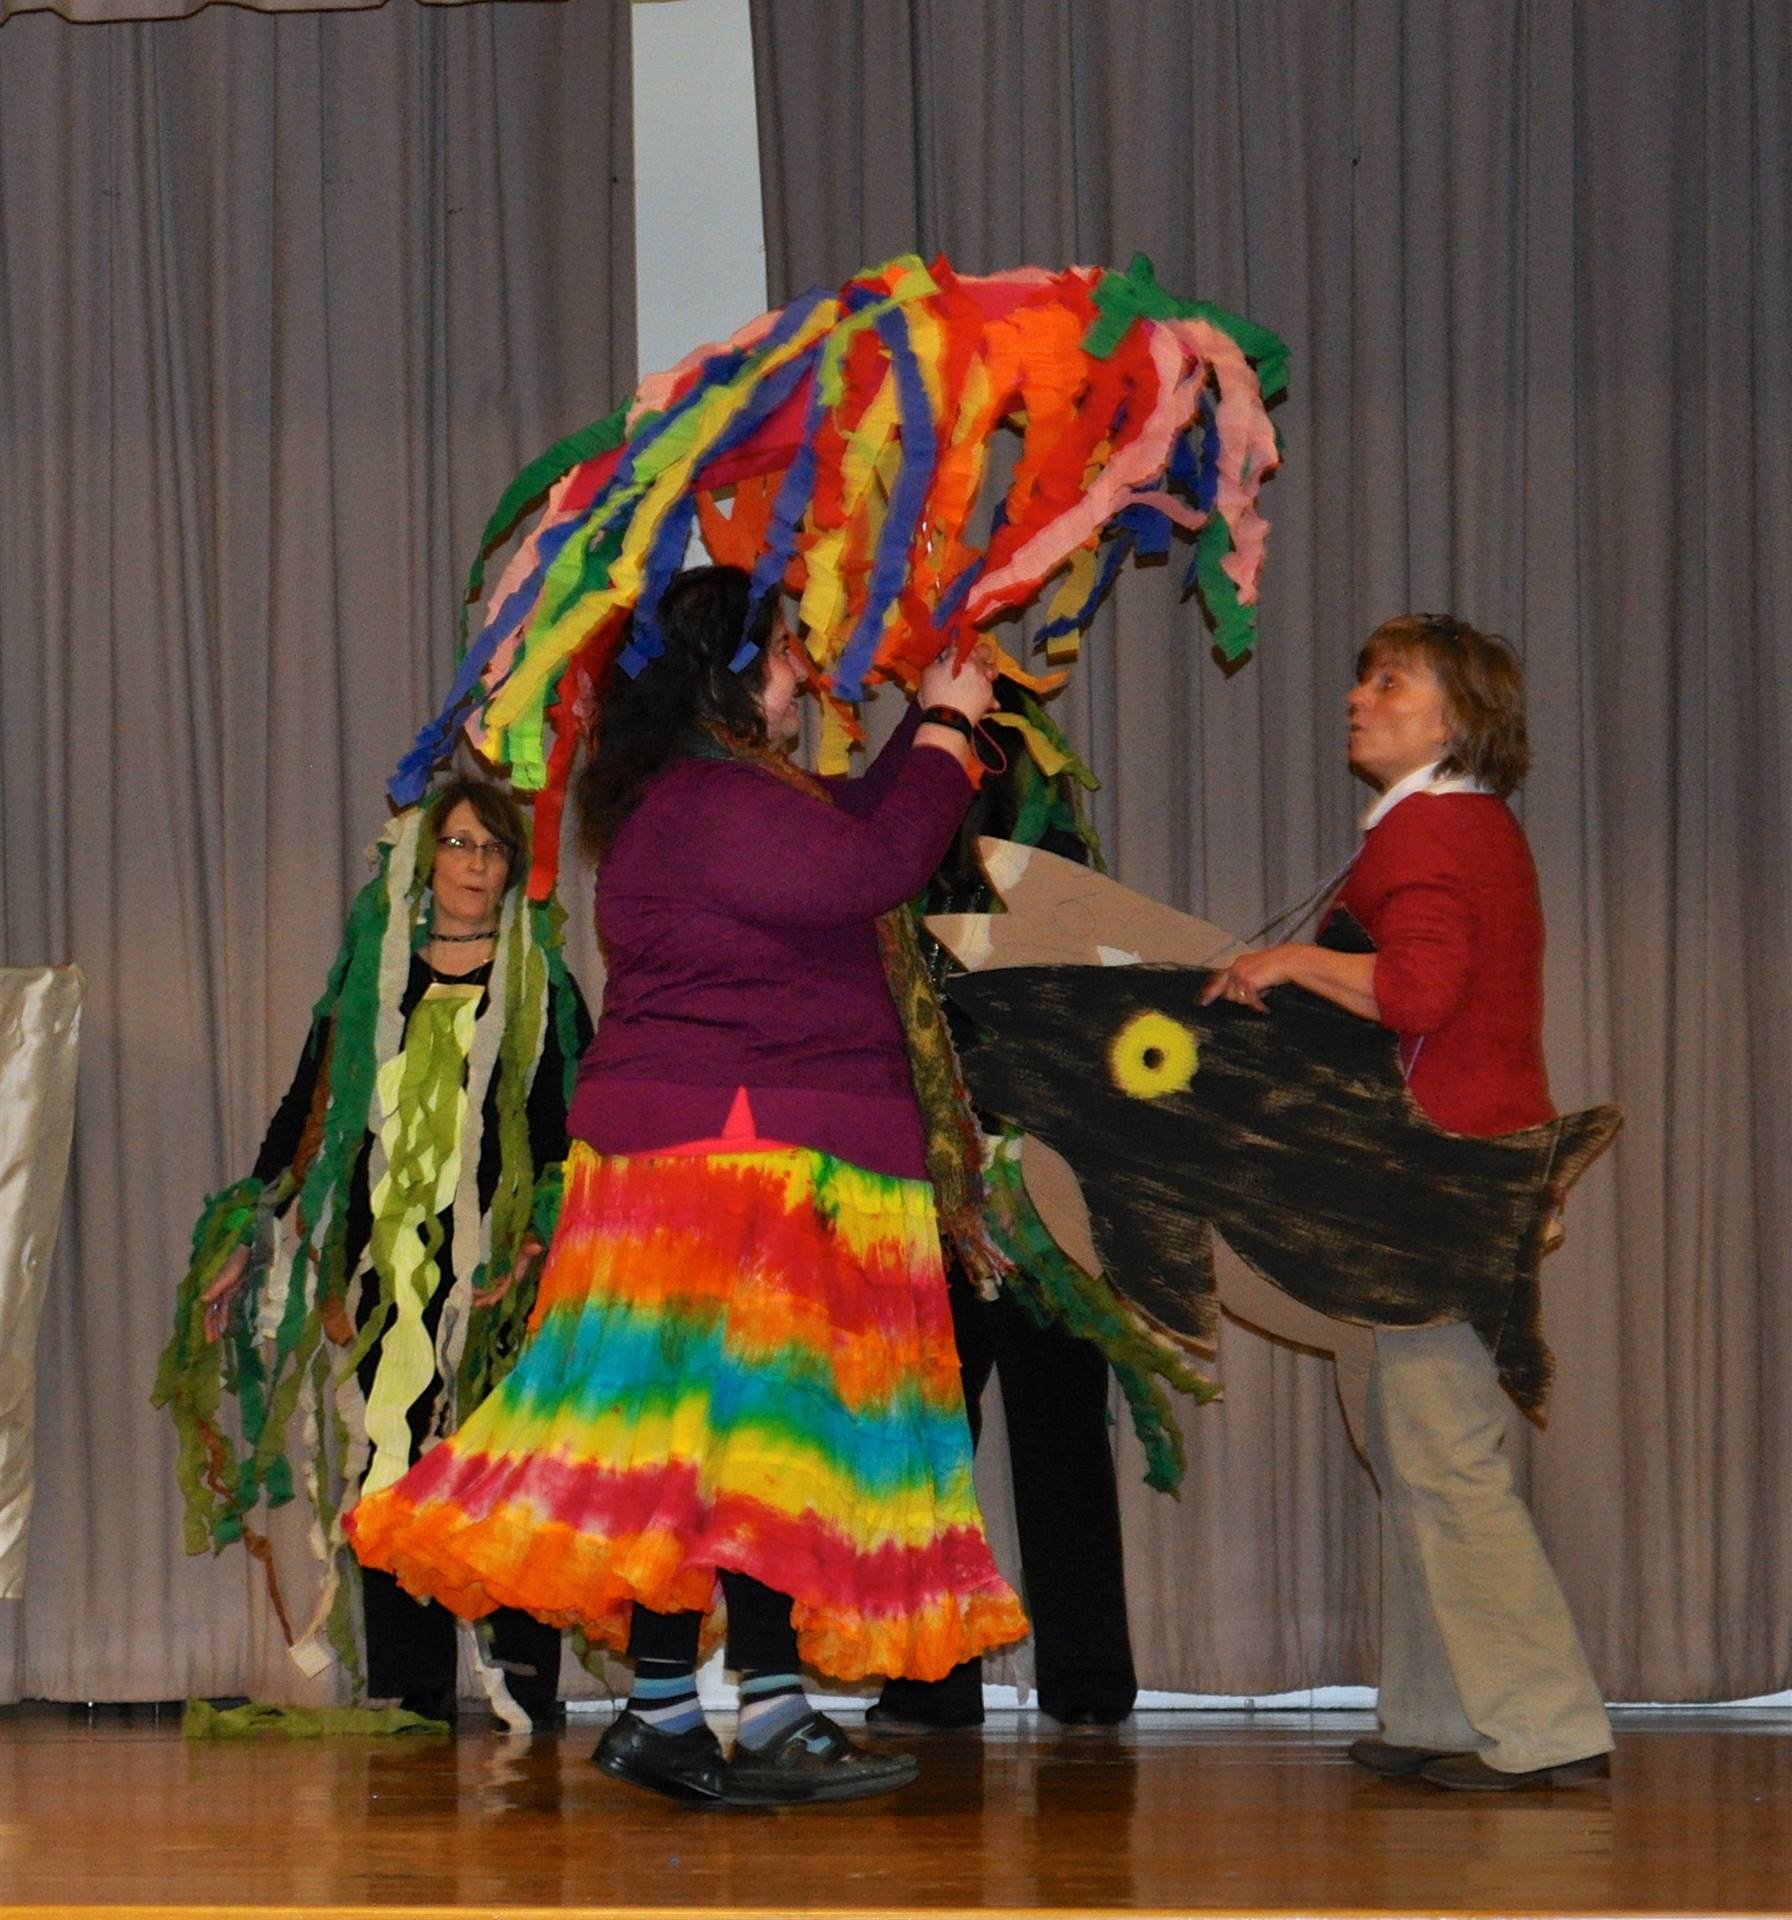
1153	1055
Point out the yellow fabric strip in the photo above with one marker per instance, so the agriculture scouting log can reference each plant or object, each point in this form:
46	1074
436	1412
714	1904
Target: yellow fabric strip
422	1096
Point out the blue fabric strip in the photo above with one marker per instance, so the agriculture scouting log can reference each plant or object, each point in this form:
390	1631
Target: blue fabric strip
920	453
1113	558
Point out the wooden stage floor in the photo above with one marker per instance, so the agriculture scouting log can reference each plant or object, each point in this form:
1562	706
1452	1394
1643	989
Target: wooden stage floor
1177	1813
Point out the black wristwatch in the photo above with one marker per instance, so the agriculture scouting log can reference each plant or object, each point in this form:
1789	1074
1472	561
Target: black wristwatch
980	742
950	717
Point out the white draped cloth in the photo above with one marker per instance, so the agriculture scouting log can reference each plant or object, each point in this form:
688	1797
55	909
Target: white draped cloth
40	1033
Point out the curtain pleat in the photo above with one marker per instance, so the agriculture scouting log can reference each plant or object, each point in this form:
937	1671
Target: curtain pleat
115	12
284	303
1532	264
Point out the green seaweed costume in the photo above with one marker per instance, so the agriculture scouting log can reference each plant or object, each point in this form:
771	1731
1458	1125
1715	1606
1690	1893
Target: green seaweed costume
418	1145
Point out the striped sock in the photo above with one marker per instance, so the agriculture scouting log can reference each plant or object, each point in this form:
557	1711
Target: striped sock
665	1696
769	1704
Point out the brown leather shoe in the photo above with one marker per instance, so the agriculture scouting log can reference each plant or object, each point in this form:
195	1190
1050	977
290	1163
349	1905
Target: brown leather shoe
1392	1762
1469	1773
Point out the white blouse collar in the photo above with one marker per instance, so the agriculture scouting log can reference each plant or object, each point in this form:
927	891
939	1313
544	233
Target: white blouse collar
1424	779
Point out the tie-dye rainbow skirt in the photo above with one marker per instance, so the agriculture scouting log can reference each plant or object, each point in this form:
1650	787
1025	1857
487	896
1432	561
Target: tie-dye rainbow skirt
738	1360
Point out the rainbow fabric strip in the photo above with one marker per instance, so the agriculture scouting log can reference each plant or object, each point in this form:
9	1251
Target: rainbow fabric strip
850	435
739	1360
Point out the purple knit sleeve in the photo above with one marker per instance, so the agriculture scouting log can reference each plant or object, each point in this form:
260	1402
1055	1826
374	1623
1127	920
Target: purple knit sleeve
770	855
866	794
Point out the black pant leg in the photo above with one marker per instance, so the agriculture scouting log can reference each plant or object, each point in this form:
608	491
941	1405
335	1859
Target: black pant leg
410	1644
664	1636
974	1334
1055	1398
528	1650
761	1638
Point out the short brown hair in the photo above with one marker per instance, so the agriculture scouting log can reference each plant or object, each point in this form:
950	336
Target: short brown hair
1483	685
498	812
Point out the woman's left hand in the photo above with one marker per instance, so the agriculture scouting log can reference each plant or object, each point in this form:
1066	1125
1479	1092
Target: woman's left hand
1251	975
969	689
1347	980
529	1250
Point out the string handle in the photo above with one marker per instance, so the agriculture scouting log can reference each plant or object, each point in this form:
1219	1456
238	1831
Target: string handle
1291	917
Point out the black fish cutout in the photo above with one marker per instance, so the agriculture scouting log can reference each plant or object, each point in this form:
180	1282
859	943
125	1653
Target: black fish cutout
1294	1135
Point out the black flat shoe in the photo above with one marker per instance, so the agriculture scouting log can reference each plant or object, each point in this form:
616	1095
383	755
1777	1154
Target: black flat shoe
930	1706
1088	1719
891	1716
812	1761
682	1766
436	1704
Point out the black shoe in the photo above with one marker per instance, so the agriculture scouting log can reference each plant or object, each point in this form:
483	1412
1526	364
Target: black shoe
1087	1718
682	1766
930	1706
812	1760
1469	1773
437	1703
1395	1763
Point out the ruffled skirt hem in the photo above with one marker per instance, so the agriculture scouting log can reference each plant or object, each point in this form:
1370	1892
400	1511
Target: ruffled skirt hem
741	1362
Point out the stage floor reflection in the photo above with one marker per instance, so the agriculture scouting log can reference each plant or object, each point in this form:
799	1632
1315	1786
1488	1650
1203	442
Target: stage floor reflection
1174	1813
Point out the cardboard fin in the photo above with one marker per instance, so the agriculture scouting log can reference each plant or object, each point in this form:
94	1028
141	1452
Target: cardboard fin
1078	912
982	942
1254	1302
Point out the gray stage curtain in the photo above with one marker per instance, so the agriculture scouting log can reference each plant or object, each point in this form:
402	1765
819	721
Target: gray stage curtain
284	303
1532	261
100	12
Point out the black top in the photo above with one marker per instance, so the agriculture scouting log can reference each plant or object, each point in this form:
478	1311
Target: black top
546	1108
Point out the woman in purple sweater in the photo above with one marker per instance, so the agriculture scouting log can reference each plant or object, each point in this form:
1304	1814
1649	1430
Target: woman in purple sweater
740	1383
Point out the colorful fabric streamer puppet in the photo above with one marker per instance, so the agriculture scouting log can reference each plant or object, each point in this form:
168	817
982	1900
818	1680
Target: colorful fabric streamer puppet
853	432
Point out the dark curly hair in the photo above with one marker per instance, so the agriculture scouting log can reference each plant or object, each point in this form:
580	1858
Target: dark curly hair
645	720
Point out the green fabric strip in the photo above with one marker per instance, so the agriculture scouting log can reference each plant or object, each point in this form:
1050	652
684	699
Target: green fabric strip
1235	625
1267	352
260	1719
188	1375
602	436
1122	298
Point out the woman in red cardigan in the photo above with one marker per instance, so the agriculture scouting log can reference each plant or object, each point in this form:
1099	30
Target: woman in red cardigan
1483	1681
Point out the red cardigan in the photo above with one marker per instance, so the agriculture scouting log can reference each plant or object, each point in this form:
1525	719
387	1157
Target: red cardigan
1445	888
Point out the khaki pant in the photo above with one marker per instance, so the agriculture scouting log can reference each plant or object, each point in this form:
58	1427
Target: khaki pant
1478	1650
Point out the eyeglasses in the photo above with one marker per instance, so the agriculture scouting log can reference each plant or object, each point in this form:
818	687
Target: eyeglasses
465	849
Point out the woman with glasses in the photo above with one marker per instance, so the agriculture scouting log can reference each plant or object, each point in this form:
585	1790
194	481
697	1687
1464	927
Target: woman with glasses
740	1385
436	1073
